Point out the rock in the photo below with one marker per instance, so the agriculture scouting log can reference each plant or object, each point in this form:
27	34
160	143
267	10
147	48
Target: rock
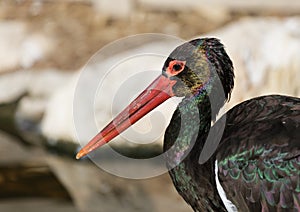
57	123
13	85
24	173
20	47
37	85
92	188
13	152
43	83
31	109
41	86
23	99
7	119
31	176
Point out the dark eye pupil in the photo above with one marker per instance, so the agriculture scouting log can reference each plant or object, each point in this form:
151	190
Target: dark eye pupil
177	67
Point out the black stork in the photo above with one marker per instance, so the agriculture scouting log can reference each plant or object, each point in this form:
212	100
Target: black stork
256	163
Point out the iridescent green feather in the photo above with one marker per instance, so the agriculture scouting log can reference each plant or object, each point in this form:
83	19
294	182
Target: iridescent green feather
252	166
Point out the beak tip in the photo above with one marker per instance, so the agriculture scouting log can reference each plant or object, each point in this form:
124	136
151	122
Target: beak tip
80	154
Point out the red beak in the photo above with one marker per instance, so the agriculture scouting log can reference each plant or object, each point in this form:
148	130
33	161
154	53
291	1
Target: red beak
156	93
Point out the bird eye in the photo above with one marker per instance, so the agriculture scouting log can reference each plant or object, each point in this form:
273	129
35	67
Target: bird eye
175	67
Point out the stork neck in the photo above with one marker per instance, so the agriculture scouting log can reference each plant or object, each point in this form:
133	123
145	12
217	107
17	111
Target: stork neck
188	129
198	113
184	140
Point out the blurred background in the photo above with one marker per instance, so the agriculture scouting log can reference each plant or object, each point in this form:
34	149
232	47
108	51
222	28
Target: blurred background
45	43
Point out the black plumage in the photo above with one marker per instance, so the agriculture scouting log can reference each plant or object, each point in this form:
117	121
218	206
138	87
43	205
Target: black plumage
248	160
258	155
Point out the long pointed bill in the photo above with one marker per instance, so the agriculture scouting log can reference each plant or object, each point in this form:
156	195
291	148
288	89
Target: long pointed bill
156	93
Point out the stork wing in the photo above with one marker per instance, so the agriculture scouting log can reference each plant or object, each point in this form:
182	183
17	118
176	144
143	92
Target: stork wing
259	155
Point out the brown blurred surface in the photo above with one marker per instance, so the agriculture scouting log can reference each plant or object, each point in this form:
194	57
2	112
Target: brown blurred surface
80	31
35	180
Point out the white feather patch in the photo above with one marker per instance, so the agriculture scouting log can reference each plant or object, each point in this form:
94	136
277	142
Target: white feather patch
230	207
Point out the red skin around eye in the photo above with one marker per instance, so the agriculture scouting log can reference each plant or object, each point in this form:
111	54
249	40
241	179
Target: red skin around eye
170	70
